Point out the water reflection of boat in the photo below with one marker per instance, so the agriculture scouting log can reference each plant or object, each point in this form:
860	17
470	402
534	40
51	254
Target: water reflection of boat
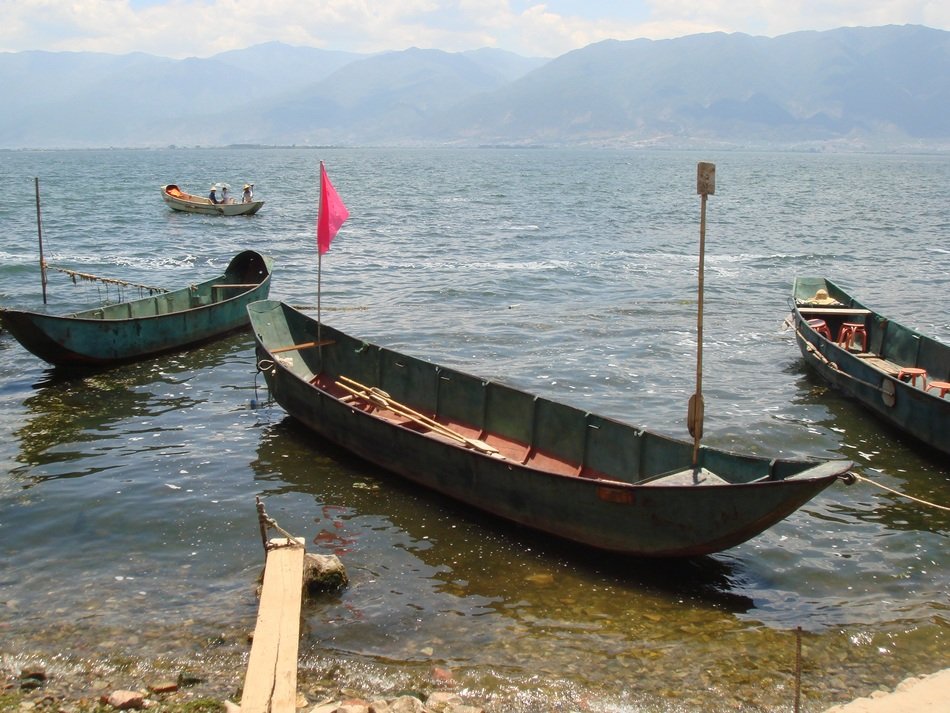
353	509
886	455
535	462
71	420
899	375
127	331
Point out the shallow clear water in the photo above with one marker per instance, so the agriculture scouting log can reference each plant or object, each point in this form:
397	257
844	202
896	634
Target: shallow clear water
127	517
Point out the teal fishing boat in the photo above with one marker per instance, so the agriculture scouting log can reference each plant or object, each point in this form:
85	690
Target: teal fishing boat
535	462
896	373
127	331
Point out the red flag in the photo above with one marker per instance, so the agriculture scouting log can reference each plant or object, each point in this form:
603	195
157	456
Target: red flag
332	212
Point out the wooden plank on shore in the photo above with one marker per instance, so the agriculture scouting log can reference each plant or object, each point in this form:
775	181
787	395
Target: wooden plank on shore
270	684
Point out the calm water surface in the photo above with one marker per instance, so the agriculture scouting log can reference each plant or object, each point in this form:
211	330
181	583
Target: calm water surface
128	530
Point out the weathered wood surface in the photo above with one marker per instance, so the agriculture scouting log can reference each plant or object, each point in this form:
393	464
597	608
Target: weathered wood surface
270	684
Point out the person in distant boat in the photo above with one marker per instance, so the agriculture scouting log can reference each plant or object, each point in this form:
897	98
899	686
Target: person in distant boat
226	195
213	196
248	196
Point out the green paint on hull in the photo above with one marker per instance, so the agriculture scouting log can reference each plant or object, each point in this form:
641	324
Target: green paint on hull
559	469
868	369
129	331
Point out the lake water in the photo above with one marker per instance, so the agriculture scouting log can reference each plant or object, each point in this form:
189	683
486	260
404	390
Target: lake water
128	529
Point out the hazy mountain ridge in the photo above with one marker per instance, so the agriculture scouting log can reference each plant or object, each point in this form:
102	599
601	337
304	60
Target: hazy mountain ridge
859	87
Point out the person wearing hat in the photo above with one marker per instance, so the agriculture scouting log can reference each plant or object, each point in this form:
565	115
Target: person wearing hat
248	193
213	196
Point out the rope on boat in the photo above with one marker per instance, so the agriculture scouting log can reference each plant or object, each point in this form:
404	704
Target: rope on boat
897	492
831	365
109	280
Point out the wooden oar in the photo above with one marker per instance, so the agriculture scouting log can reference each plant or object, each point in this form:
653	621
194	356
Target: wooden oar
380	398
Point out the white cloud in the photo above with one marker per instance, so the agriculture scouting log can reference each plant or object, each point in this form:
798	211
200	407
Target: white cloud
179	28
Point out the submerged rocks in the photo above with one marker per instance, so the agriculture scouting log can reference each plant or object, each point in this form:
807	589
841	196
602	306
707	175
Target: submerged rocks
323	573
32	677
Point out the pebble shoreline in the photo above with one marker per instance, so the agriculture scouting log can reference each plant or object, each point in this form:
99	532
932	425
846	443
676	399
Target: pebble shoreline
32	689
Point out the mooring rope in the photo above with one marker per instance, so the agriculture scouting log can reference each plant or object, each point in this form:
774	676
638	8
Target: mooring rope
265	521
109	280
897	492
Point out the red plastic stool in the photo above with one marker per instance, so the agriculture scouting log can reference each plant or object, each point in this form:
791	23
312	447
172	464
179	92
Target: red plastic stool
942	386
910	374
849	332
819	326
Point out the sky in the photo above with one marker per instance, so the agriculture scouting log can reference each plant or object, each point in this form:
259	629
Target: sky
202	28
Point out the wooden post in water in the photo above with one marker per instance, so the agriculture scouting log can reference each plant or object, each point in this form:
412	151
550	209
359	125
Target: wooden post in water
270	684
705	186
39	230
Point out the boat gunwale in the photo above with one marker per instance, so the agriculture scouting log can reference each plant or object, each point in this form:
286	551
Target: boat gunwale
843	466
81	315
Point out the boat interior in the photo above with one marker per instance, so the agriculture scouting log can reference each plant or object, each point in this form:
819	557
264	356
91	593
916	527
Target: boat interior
882	343
245	272
503	422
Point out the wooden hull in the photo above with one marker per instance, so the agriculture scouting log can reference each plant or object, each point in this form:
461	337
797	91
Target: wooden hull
872	375
188	203
141	328
535	462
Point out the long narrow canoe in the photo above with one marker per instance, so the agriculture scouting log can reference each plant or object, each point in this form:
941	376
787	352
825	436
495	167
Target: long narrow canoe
898	374
524	458
127	331
178	200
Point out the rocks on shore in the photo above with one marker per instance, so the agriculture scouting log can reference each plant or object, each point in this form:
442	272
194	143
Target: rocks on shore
35	685
437	702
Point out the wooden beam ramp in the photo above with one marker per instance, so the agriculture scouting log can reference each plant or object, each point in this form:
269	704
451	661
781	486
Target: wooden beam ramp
270	684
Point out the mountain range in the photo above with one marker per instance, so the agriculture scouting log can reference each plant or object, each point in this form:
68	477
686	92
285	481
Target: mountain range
851	88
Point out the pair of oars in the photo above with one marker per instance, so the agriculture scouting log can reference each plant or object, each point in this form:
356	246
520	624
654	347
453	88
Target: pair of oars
380	398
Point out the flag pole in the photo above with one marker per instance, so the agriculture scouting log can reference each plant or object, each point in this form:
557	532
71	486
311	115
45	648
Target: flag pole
39	230
330	216
705	186
319	273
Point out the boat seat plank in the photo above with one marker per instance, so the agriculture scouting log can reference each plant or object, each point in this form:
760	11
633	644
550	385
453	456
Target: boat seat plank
686	476
821	470
878	362
305	345
246	286
834	310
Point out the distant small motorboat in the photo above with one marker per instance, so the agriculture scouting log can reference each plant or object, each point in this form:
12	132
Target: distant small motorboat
895	372
127	331
177	199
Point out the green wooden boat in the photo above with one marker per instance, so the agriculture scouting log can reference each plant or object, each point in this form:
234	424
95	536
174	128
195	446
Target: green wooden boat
524	458
128	331
901	376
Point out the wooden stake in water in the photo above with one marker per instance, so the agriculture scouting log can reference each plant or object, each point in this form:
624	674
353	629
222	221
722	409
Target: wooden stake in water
705	186
39	230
